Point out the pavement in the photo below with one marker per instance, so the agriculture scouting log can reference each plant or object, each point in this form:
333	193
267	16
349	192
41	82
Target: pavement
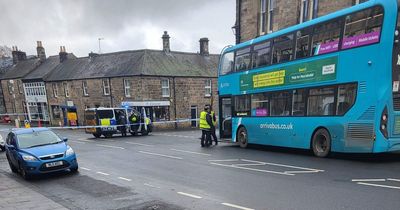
169	170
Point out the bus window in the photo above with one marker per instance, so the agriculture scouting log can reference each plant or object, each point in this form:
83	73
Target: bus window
282	49
227	64
346	98
299	102
262	54
105	114
326	37
242	105
260	104
280	104
302	43
242	59
321	101
362	28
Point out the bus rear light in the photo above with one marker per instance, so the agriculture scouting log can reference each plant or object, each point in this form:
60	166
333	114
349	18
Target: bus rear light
383	125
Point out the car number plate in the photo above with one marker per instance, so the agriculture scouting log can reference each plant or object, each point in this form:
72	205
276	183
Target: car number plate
54	164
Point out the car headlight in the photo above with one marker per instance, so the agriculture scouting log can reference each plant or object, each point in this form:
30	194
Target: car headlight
28	158
69	152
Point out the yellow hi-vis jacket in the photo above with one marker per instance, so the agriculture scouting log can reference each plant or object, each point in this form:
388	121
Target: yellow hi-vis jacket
213	118
203	121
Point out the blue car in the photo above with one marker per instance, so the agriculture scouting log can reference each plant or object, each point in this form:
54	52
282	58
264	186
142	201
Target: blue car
33	151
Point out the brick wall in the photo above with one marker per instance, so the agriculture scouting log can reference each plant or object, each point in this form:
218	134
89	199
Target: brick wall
10	102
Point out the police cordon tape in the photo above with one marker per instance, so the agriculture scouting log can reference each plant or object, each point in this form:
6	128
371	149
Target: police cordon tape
18	114
106	126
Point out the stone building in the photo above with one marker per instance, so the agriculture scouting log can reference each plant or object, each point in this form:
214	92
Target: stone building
258	17
170	85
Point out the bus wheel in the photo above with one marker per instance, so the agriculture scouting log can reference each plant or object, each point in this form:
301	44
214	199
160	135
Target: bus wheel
96	135
321	143
242	137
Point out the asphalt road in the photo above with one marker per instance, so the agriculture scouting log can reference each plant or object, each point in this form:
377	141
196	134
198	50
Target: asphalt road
169	170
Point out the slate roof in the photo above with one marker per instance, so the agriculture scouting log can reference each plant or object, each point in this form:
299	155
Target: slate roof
134	63
21	69
45	68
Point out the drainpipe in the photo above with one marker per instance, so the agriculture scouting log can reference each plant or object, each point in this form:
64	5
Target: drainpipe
173	81
111	95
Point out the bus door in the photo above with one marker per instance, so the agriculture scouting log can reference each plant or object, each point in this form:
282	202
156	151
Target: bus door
225	116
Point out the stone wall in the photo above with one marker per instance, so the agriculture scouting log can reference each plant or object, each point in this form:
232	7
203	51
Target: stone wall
14	104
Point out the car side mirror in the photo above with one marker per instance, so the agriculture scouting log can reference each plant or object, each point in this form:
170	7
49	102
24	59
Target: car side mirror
11	147
65	139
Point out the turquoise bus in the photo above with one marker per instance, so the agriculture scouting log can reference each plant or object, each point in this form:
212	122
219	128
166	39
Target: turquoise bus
330	84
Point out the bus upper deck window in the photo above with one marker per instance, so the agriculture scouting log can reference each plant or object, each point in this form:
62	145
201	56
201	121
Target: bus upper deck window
227	63
242	59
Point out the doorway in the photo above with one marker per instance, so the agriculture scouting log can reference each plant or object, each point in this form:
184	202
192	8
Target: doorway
193	116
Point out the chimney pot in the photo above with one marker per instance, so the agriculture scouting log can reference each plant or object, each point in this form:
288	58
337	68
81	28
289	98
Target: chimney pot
166	44
63	54
41	53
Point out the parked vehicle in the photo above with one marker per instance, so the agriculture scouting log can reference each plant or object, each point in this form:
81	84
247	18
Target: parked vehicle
6	119
2	143
107	121
32	151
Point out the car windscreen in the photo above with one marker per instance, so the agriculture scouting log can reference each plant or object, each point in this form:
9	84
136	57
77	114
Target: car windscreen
105	114
35	139
90	115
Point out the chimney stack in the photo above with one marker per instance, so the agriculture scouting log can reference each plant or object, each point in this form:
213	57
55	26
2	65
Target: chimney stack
63	54
204	46
165	39
17	55
40	51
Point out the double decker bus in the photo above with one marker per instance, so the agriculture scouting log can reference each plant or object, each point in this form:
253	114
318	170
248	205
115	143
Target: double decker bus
330	84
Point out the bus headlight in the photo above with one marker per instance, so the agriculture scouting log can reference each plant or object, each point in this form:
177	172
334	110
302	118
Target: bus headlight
384	122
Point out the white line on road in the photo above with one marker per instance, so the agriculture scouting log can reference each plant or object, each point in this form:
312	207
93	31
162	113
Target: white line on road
85	140
189	195
149	185
108	146
253	169
236	206
140	144
226	160
86	169
102	173
125	179
395	180
300	172
378	185
167	156
368	180
78	142
197	153
282	165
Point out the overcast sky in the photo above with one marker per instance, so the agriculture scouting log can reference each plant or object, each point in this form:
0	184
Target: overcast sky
124	24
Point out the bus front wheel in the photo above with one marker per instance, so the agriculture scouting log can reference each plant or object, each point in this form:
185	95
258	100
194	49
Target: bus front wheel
242	137
321	143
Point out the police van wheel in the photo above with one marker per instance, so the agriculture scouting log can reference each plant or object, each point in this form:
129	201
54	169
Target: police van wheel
133	133
96	135
321	143
242	137
108	135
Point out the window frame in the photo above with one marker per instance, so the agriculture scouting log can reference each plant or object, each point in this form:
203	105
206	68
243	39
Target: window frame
55	90
208	88
165	88
106	88
127	88
66	89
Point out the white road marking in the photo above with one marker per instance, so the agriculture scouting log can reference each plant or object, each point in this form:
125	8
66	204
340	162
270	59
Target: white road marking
125	179
378	185
85	140
395	180
236	206
86	169
149	185
300	172
167	156
253	169
108	146
78	142
226	160
368	180
102	173
140	144
189	195
282	165
197	153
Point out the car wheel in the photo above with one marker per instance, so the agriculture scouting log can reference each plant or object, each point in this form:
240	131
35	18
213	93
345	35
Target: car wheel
2	148
74	170
12	167
133	133
321	143
96	135
242	137
23	172
145	133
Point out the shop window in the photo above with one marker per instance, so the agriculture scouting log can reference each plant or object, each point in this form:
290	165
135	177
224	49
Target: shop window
161	113
260	104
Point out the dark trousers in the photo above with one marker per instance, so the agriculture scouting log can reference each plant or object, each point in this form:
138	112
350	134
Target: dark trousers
205	138
212	133
123	130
